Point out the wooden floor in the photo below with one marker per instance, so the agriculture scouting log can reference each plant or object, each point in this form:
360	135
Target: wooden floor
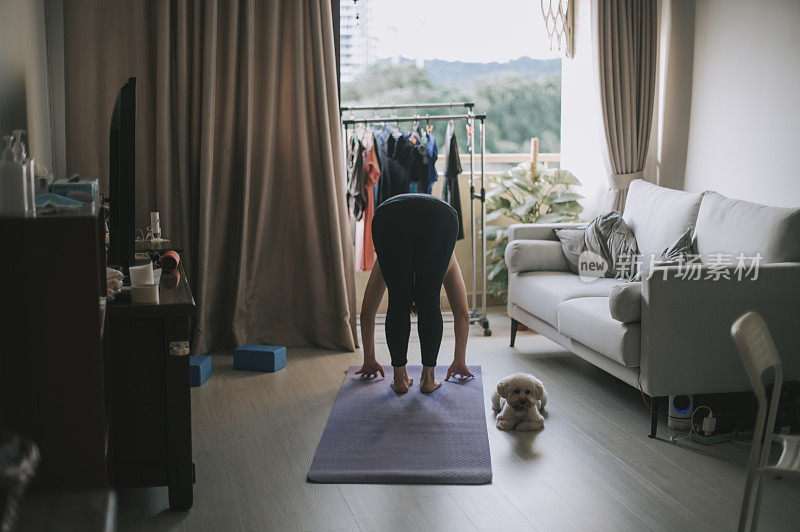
591	468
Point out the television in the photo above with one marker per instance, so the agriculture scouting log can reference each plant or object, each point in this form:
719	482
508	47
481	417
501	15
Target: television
121	177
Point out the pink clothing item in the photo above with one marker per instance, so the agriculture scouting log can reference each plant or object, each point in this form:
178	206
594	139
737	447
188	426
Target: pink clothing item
371	175
359	242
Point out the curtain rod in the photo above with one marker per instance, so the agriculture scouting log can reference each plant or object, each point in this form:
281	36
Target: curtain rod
434	118
408	106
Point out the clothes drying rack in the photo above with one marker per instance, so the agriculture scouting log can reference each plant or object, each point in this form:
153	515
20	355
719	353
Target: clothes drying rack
477	314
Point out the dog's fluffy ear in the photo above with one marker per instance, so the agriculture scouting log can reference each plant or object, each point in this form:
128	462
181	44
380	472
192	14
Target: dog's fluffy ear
504	386
538	389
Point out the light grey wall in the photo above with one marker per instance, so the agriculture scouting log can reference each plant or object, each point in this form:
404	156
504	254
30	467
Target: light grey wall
666	156
13	108
581	134
24	76
54	22
744	132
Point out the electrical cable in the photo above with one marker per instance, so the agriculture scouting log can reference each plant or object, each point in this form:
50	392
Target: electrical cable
644	400
693	427
677	439
662	416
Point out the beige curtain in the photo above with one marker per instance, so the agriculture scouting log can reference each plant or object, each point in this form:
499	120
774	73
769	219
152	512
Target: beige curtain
626	65
238	108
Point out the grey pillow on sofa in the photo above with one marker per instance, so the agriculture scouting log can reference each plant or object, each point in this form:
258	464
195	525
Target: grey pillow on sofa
572	244
658	215
625	302
733	227
681	251
609	237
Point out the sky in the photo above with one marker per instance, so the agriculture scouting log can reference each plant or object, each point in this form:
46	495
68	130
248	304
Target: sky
460	30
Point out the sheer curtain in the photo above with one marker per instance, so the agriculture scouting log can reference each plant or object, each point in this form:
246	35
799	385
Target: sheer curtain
238	116
625	47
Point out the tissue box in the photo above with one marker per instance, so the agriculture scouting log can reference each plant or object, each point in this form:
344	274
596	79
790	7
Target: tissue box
82	190
259	357
199	369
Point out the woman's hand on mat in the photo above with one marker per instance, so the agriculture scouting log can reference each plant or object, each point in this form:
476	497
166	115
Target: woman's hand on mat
370	369
458	368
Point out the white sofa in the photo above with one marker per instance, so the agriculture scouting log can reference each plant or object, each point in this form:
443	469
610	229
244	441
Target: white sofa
668	333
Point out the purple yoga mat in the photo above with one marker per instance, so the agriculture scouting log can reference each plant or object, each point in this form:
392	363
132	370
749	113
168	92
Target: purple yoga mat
374	435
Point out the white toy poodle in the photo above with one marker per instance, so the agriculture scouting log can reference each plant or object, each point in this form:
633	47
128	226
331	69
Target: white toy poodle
518	401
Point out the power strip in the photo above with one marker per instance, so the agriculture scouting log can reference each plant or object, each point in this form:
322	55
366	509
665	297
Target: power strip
713	439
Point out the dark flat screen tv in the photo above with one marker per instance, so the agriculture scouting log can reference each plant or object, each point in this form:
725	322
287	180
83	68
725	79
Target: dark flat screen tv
121	176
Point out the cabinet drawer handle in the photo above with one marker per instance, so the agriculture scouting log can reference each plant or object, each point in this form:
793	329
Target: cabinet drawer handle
179	349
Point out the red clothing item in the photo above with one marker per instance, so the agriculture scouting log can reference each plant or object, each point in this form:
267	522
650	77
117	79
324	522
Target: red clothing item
372	173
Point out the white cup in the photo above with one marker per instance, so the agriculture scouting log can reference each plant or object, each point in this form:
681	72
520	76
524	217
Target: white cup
141	275
147	293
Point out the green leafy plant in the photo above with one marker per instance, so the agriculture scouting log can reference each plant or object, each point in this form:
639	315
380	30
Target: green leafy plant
518	198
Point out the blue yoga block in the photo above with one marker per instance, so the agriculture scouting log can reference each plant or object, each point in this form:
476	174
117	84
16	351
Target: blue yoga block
259	357
199	369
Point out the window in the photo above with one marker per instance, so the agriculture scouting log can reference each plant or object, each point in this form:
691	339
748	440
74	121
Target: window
493	53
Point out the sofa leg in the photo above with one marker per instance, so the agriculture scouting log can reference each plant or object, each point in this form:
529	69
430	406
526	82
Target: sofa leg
514	325
654	402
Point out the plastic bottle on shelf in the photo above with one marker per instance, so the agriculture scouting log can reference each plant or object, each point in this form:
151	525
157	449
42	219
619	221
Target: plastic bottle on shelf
12	182
29	179
30	184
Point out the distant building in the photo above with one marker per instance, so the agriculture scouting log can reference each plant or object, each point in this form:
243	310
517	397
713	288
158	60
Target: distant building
358	43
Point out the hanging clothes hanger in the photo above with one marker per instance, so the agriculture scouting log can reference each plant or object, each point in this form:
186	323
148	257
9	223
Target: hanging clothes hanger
451	124
360	130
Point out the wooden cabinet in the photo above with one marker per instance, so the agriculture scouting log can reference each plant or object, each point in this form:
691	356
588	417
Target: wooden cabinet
93	383
151	442
52	386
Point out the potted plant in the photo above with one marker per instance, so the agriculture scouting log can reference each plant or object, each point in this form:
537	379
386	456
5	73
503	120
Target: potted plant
517	197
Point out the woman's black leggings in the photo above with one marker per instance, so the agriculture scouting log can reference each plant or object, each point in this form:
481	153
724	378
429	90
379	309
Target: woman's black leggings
414	236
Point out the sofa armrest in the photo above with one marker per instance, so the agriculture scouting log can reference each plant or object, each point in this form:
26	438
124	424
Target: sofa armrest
539	231
686	327
625	302
539	255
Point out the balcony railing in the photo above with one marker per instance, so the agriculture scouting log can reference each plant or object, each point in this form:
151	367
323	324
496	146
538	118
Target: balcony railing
499	163
549	159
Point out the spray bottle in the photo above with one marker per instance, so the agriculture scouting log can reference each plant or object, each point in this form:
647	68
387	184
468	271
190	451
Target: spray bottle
29	179
12	182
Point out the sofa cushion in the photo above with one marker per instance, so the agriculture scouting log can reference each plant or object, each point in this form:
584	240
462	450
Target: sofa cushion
680	252
658	215
538	231
573	243
731	227
528	255
588	321
608	237
539	293
625	302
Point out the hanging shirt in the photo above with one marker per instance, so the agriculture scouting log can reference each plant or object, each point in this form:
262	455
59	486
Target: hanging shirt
398	148
356	202
383	189
433	154
450	192
420	172
408	164
372	174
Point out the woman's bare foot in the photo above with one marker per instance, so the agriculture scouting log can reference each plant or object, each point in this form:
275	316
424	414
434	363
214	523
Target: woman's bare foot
427	382
401	382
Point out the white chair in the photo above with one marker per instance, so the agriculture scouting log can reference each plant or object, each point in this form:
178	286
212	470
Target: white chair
759	355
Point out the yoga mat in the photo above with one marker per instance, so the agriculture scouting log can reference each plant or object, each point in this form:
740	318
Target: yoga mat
374	435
